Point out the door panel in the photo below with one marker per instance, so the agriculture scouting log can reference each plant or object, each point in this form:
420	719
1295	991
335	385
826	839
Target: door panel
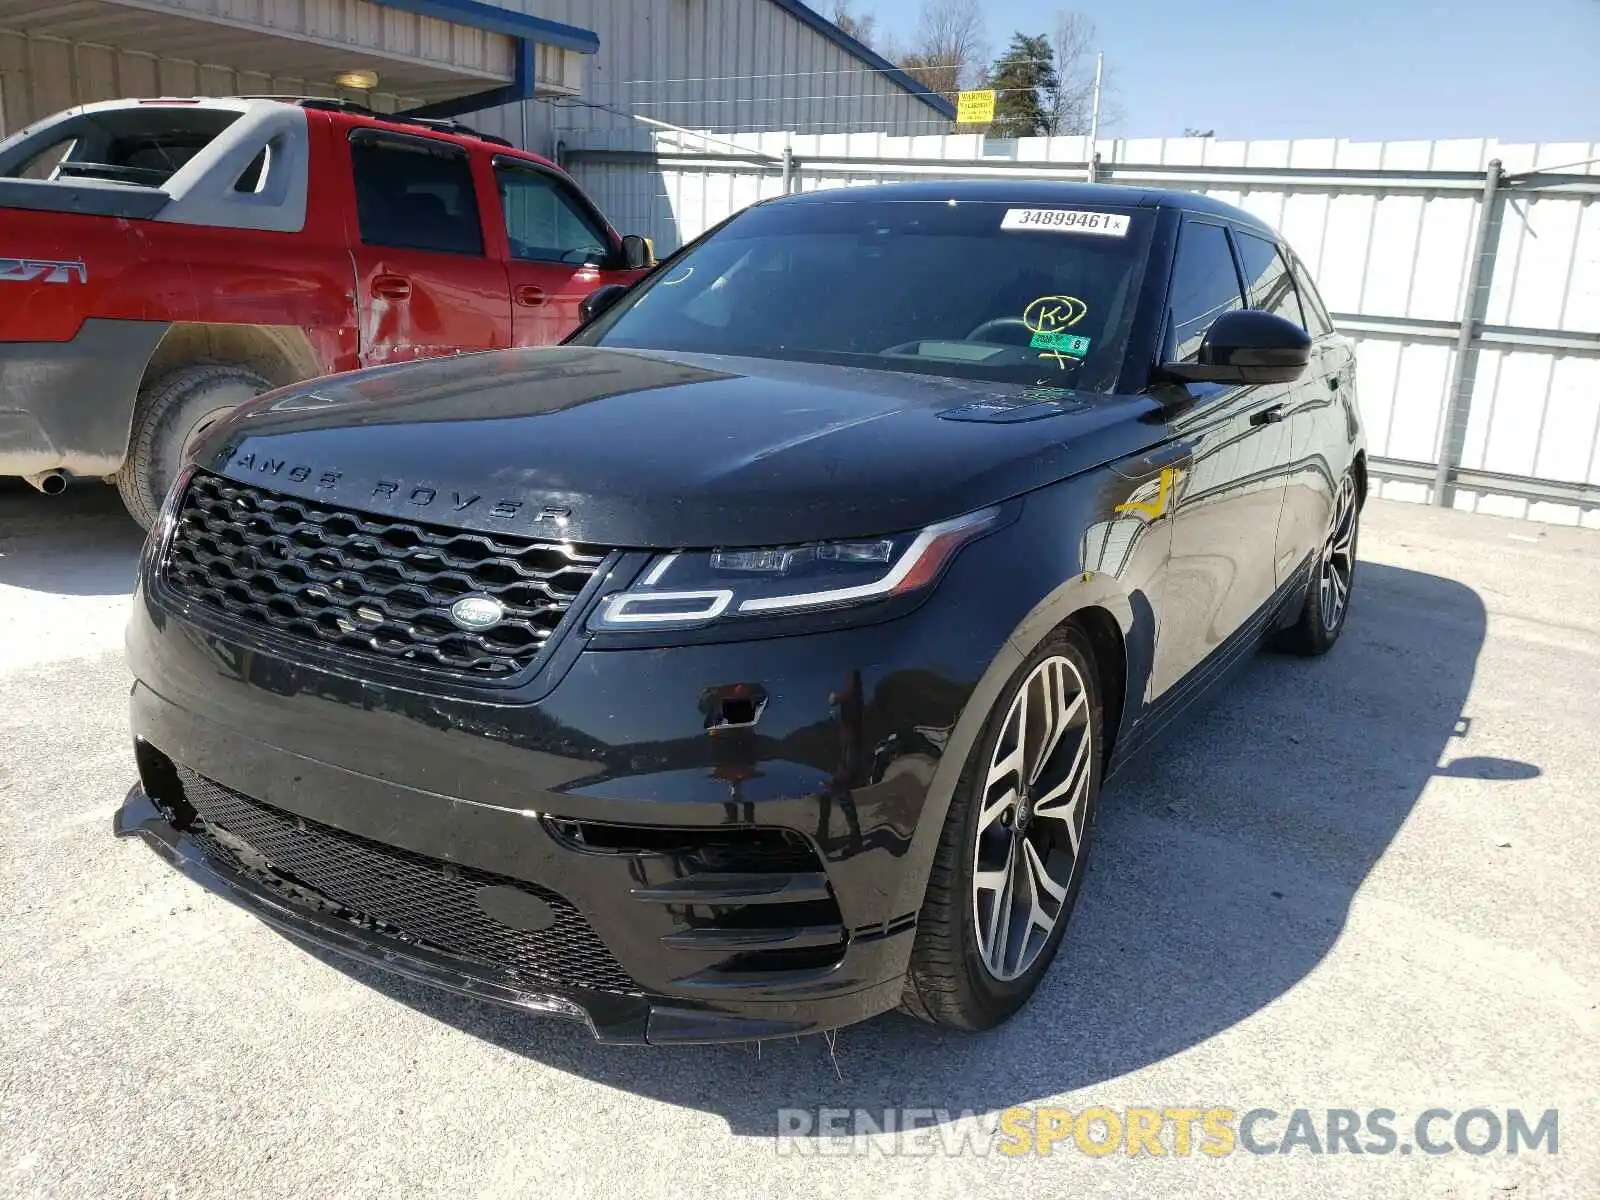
1226	505
418	305
1323	427
1307	494
1225	521
545	299
557	252
1314	456
426	287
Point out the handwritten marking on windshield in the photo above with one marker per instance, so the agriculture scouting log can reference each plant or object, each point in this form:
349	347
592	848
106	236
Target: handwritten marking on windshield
1051	314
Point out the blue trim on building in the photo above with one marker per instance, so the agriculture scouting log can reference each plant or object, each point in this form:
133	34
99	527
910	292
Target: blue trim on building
528	30
520	88
500	20
819	23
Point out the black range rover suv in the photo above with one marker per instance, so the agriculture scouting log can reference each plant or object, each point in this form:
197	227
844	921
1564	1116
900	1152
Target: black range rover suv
752	663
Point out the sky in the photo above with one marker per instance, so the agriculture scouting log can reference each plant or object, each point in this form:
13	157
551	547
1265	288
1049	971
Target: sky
1522	71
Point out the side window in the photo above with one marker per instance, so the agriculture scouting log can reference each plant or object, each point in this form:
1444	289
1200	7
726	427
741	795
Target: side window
43	164
544	222
1318	322
1204	285
1267	277
415	195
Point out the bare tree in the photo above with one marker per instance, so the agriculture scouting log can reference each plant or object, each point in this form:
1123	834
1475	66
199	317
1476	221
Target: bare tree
858	25
1070	105
947	52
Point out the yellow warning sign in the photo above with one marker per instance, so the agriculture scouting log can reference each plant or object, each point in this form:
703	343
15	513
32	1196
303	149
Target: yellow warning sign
974	108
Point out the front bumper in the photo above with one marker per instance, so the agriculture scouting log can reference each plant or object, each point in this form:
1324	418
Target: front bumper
609	1018
608	790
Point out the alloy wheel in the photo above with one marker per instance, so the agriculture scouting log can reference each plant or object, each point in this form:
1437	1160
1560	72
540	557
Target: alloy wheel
1338	557
1031	825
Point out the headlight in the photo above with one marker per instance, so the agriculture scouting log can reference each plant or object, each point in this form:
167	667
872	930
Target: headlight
687	589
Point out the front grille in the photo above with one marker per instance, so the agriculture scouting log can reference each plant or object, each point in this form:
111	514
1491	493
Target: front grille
395	891
381	587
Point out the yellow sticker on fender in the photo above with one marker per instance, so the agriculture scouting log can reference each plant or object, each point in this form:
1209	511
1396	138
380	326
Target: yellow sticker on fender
1067	220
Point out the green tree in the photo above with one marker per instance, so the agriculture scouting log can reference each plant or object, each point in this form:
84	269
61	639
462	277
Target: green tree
1024	79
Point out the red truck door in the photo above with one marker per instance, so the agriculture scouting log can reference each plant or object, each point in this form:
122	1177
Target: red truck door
426	285
558	250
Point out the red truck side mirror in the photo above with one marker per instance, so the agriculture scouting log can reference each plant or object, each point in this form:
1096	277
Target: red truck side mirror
637	253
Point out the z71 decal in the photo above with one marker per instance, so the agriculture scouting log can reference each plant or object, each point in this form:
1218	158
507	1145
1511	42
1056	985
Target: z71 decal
42	270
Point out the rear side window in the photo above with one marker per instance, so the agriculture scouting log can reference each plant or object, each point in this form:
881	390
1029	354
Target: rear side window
414	194
1204	286
1267	277
544	221
1318	322
146	145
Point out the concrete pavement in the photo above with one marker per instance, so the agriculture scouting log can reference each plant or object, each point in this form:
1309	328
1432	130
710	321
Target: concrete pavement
1365	882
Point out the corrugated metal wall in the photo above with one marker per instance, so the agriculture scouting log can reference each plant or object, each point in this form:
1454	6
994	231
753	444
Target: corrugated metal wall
40	76
361	25
726	65
1386	227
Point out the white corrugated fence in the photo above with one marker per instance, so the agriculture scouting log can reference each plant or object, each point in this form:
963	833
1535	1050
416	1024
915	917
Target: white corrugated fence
1389	229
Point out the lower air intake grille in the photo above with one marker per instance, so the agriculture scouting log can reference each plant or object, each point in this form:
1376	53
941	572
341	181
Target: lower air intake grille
398	892
381	587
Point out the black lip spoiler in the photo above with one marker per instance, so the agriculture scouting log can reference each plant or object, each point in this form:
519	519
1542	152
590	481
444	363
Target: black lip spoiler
635	1020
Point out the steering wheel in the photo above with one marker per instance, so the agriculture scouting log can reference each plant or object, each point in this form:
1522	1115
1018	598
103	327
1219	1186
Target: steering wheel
998	323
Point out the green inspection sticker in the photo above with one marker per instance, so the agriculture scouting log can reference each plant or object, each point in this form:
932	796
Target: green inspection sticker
1074	344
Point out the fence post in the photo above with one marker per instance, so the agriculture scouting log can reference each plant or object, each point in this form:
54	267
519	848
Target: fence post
1474	309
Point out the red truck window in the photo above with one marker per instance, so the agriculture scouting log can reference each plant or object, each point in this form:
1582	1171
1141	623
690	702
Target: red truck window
543	222
415	194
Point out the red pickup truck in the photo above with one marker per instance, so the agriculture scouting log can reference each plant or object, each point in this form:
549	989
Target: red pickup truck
163	260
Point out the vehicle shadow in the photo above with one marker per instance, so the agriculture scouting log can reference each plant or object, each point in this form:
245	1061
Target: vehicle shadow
80	543
1225	865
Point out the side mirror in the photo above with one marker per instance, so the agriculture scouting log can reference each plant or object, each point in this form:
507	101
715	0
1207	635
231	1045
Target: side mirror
1247	346
637	253
597	301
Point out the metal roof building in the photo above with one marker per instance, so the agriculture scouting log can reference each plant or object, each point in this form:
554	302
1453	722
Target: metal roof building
528	69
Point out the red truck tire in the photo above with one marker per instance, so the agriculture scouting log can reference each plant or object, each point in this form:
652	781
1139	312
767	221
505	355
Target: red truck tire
173	410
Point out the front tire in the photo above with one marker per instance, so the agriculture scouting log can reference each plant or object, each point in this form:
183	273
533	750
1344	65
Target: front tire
1012	852
172	412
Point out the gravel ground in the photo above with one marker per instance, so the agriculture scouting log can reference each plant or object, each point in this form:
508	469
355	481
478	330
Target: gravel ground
1366	882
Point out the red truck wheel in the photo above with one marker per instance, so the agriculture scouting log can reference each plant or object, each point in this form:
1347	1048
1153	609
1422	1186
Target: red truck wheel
172	412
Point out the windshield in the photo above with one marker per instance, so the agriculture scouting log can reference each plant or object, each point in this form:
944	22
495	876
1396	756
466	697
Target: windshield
973	289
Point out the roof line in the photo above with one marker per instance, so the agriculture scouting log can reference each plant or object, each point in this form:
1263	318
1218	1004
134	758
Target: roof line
501	20
859	50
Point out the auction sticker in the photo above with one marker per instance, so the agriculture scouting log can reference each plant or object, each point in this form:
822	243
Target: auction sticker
1063	343
1067	220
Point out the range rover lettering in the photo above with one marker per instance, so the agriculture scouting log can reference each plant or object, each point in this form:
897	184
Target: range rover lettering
753	662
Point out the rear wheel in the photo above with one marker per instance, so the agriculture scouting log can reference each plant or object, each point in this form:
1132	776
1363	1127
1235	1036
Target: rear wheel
1321	620
172	412
1011	856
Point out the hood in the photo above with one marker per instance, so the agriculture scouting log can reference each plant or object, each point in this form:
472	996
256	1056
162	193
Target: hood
648	449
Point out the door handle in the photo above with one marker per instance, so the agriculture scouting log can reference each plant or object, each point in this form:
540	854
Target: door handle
391	287
1268	416
1173	454
529	296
